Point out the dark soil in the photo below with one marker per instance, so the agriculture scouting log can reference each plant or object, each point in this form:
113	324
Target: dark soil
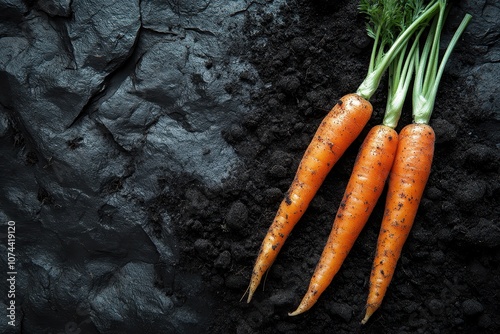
448	278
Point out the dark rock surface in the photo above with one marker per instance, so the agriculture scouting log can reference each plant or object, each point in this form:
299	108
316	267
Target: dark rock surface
146	145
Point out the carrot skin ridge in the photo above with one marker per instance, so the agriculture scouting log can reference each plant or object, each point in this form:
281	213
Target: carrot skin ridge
407	180
370	172
337	131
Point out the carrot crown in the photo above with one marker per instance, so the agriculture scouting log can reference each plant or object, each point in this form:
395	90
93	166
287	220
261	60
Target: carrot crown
386	20
428	74
400	75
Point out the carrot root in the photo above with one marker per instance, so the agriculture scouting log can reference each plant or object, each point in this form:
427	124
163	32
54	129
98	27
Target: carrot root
407	181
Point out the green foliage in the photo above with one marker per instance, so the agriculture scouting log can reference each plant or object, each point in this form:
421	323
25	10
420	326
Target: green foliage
429	69
385	18
391	23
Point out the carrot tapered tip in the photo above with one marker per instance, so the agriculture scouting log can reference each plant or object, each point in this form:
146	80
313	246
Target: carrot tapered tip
365	319
296	312
301	309
250	295
250	292
370	309
310	298
251	289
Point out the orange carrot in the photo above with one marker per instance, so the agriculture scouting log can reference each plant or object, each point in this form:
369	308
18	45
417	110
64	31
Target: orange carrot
407	181
340	127
412	164
367	181
337	131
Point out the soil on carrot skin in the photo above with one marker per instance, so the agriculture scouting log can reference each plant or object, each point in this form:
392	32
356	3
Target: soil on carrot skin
448	278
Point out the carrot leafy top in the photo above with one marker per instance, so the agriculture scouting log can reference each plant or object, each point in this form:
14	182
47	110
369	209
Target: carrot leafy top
428	74
391	23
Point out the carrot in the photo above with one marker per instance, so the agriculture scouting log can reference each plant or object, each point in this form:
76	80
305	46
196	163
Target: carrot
406	185
372	166
412	165
337	132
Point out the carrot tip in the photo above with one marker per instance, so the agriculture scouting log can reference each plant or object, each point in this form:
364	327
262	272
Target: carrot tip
250	294
369	312
301	309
